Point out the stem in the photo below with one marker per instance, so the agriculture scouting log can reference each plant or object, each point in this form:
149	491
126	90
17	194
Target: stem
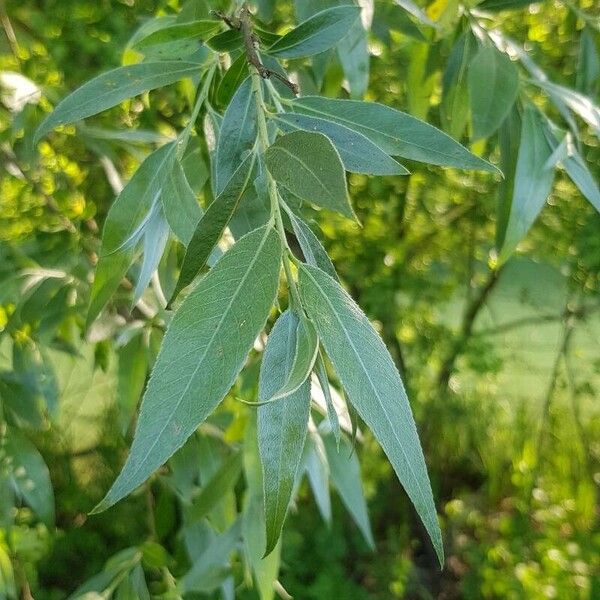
184	136
263	144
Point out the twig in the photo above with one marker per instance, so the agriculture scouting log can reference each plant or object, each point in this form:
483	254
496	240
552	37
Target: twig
243	24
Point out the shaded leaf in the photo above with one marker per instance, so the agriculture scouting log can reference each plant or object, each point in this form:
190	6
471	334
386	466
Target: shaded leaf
210	228
533	181
317	470
236	136
345	475
493	89
30	475
313	251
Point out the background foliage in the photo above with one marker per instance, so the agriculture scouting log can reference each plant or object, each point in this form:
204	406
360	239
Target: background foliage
501	365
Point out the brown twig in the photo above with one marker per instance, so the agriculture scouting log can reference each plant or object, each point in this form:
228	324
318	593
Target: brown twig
243	24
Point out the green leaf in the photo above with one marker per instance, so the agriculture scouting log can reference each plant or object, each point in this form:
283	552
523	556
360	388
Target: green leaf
588	65
353	52
498	5
213	223
177	40
237	135
396	133
30	474
357	152
578	103
125	222
533	181
332	415
509	139
493	89
317	470
313	251
211	568
574	165
345	474
202	353
410	7
133	366
309	166
180	205
233	78
316	34
227	41
282	425
156	235
303	359
111	88
214	490
369	376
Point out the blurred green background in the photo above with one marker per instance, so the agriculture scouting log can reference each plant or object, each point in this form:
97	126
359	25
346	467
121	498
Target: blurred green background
503	371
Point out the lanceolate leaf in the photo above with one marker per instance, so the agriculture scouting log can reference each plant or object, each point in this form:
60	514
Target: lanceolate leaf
131	208
211	226
214	490
309	166
236	136
357	152
575	165
110	89
533	181
30	474
493	87
332	415
396	133
180	205
314	253
202	353
177	40
317	470
345	474
369	376
317	34
282	425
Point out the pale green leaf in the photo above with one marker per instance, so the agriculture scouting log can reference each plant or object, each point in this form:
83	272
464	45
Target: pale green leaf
130	210
111	88
533	181
210	228
345	475
30	474
282	425
357	152
369	376
317	470
202	353
309	166
493	89
332	415
395	132
316	34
